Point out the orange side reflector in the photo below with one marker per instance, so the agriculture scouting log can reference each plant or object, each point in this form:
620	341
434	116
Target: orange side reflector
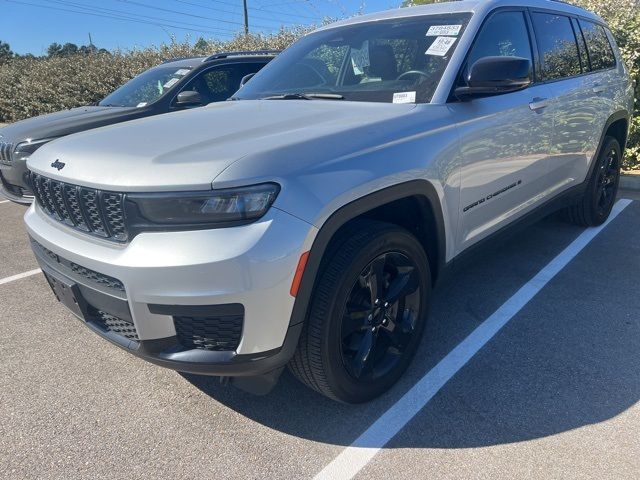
297	278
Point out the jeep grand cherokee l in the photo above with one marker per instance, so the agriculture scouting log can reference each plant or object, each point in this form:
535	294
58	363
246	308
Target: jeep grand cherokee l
174	85
305	223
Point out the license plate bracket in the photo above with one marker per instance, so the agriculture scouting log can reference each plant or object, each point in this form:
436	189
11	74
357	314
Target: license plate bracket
67	293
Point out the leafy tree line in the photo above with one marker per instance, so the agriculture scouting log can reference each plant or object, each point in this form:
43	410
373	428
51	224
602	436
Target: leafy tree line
54	50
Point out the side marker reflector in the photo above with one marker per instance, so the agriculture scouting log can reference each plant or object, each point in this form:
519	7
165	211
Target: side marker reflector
297	278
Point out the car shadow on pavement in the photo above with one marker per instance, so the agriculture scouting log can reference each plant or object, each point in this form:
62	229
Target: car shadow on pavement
568	359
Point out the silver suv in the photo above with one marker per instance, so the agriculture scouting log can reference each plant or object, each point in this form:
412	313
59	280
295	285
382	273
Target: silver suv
305	222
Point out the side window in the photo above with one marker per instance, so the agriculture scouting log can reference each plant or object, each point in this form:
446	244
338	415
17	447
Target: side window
598	46
557	46
503	35
219	83
582	46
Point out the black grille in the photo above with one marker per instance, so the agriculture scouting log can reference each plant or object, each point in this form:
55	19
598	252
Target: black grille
221	333
86	209
91	276
114	324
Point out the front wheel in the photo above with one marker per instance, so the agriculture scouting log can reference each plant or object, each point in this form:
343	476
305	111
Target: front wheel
594	207
367	315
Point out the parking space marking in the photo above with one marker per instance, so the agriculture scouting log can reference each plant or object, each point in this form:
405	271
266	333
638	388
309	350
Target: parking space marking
19	276
356	456
4	201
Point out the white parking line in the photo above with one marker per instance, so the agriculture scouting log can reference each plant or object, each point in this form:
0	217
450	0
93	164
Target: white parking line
19	276
4	201
355	457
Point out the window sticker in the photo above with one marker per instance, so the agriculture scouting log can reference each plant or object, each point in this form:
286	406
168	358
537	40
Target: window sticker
441	46
360	58
182	72
141	104
171	82
404	97
437	30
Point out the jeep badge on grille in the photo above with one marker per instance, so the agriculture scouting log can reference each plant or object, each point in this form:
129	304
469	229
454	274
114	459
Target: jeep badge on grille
58	164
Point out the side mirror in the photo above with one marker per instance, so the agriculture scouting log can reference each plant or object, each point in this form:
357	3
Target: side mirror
246	78
188	98
496	75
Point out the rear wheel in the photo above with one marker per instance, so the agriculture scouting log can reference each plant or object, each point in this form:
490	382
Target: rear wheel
367	314
595	206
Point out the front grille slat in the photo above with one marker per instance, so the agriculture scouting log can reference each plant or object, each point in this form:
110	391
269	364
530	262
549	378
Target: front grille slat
5	153
85	209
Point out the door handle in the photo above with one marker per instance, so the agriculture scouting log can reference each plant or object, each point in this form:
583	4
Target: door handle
538	103
598	89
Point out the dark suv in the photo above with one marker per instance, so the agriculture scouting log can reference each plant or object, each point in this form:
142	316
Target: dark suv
173	85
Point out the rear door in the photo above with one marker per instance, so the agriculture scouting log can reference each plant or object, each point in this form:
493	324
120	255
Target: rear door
564	66
505	139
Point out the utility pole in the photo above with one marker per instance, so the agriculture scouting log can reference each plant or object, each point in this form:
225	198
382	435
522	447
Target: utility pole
246	18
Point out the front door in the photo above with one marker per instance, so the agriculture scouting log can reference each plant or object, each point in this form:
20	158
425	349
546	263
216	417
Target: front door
505	139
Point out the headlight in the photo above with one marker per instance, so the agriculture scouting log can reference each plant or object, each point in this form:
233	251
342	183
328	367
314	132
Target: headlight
225	207
28	147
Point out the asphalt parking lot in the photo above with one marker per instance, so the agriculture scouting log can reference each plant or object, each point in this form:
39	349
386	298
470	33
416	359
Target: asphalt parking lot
552	394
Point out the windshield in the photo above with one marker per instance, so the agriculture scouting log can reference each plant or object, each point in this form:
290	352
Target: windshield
398	60
146	88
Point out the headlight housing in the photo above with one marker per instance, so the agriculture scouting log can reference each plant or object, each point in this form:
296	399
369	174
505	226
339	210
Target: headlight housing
210	209
28	147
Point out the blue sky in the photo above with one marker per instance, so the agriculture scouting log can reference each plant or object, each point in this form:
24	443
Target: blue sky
29	26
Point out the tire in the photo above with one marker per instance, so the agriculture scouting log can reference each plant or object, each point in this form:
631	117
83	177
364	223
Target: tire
359	366
594	207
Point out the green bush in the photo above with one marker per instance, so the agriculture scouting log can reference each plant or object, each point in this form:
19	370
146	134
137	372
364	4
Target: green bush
32	86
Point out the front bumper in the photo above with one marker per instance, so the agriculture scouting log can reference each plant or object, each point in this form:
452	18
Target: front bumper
14	182
162	274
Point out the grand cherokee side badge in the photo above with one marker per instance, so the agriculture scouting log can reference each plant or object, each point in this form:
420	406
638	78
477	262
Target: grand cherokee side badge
58	164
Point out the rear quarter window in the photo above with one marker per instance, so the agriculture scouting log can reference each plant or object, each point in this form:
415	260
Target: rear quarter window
600	51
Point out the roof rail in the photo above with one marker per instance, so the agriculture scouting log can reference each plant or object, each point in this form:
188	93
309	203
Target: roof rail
177	59
217	56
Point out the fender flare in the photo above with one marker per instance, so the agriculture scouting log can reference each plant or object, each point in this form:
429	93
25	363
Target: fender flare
349	212
619	115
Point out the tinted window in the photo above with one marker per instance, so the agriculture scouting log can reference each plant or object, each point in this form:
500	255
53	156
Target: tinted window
503	35
146	88
600	52
220	83
557	46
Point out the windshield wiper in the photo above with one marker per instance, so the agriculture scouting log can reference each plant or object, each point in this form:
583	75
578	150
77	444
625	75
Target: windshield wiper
305	96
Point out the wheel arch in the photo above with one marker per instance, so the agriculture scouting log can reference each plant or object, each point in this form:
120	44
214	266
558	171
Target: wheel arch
415	197
617	126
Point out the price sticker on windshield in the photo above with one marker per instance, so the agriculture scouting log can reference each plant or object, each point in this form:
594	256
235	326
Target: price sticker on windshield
182	72
437	30
171	83
441	46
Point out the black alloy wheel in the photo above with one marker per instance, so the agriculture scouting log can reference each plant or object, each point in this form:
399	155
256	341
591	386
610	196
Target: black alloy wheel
368	311
380	316
595	205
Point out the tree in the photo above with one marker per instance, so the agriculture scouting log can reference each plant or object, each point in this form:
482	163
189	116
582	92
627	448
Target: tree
57	50
5	52
201	45
54	49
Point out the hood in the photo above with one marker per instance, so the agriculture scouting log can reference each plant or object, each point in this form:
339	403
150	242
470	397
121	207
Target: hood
66	122
187	150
